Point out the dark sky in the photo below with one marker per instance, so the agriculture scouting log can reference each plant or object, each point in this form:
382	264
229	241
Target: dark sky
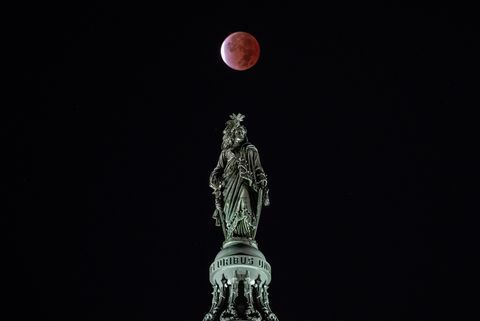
360	115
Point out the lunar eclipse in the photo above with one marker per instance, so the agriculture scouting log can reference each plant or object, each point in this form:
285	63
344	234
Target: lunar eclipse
240	50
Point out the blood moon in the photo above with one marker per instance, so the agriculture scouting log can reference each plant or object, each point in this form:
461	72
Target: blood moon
240	50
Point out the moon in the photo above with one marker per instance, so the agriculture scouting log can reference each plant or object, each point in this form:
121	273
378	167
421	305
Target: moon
240	50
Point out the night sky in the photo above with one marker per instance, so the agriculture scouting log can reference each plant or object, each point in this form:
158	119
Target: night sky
360	115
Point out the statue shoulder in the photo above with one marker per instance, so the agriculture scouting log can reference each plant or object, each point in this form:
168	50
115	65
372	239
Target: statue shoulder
251	147
226	153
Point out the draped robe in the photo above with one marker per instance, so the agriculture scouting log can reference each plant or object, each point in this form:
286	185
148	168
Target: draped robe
238	175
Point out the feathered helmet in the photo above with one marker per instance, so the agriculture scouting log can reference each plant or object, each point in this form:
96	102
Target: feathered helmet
231	125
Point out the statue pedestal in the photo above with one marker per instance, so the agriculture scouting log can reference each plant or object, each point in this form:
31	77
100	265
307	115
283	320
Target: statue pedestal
240	276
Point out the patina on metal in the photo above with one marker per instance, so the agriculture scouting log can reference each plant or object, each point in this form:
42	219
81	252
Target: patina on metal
240	275
239	183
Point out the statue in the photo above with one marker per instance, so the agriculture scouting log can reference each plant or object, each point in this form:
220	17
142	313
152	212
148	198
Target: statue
240	274
239	183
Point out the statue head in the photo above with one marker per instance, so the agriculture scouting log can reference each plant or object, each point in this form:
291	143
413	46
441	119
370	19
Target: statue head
234	133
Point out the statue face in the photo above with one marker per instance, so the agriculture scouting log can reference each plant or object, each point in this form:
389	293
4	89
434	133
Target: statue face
239	134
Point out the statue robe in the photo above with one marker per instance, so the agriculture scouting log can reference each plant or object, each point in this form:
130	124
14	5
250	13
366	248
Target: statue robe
239	174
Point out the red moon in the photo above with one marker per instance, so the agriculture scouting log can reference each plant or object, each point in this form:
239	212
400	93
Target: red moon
240	50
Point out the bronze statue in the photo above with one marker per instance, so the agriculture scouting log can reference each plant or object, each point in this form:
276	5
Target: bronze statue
239	183
240	273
